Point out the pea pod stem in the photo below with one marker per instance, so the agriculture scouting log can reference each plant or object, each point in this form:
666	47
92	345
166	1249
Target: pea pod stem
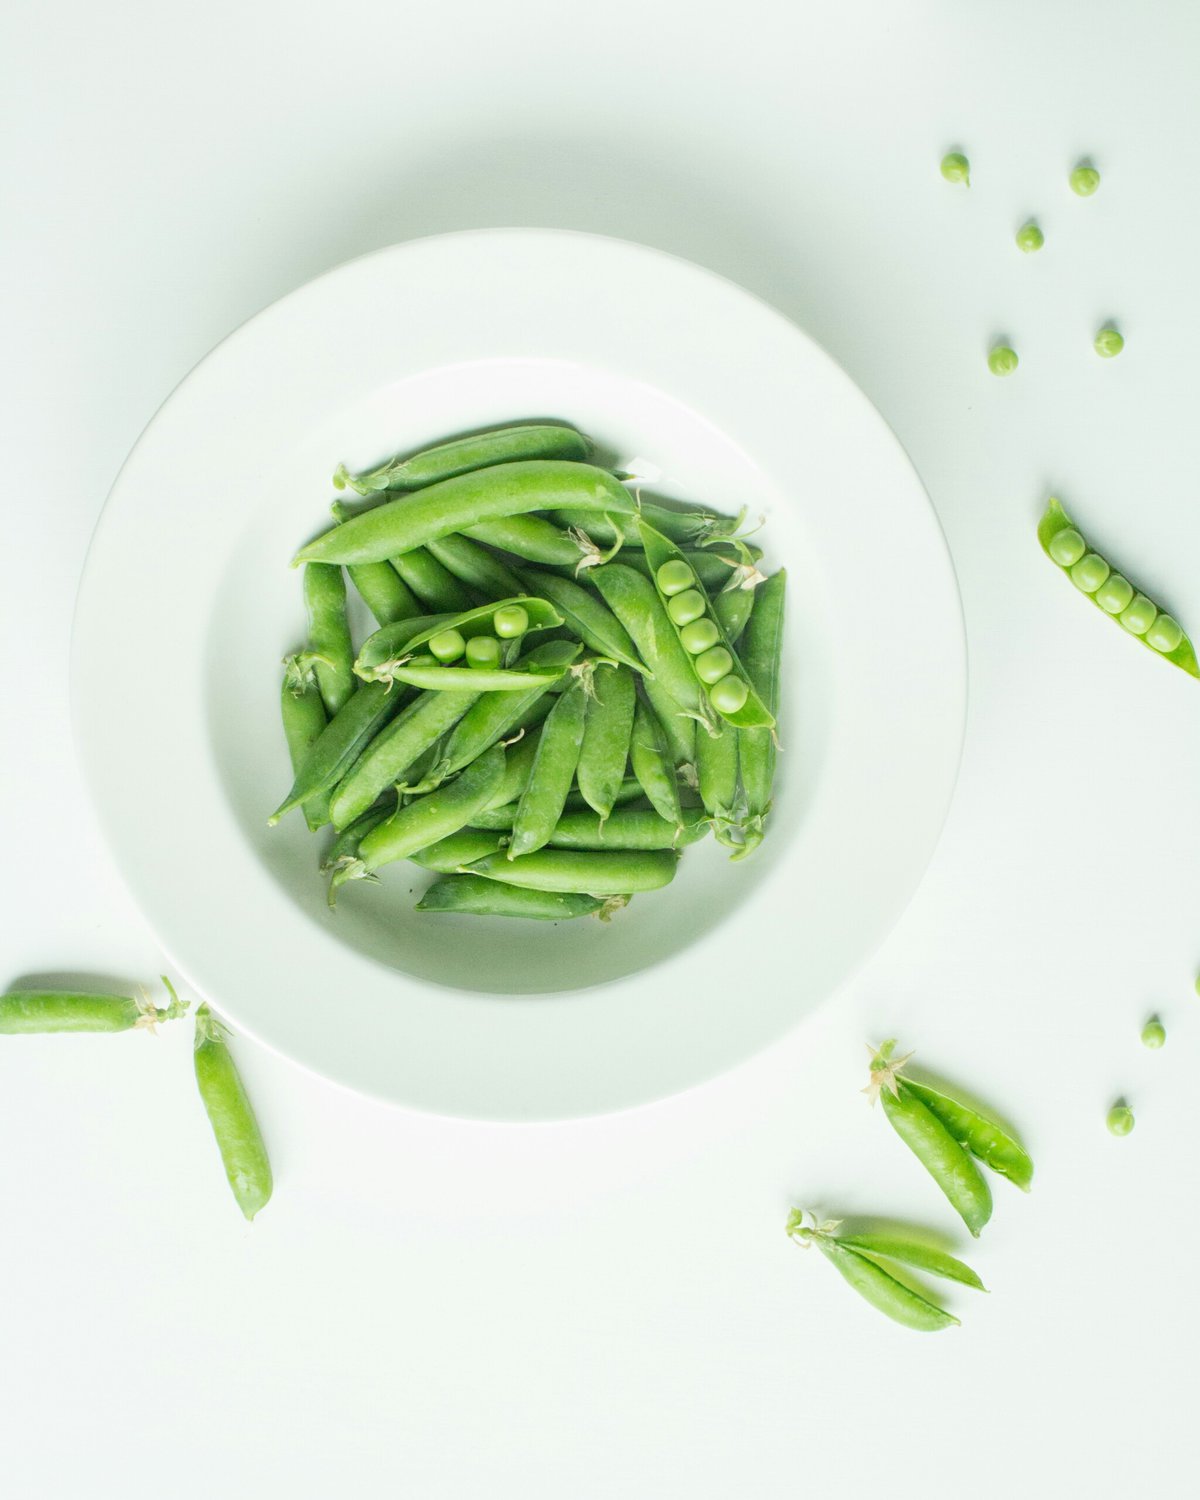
29	1012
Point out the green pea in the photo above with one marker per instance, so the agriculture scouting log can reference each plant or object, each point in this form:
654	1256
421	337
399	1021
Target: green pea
483	651
1067	547
712	665
1108	343
686	607
956	168
1120	1119
1165	634
1154	1034
1030	238
448	645
699	636
510	622
1138	617
1002	360
1114	594
675	576
728	695
1090	572
1084	181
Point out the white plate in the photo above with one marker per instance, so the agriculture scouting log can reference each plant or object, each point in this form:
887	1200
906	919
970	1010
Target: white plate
187	605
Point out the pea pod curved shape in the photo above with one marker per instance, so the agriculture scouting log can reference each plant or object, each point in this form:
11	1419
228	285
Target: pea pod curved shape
459	503
910	1253
582	870
478	450
883	1291
1052	533
950	1166
590	619
982	1137
391	643
231	1115
471	895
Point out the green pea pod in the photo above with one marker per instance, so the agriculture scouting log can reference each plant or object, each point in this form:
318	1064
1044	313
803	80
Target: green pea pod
345	846
694	528
557	756
341	742
652	765
479	450
531	538
425	672
470	895
593	874
457	504
390	754
732	608
753	712
1111	593
678	726
231	1116
715	567
883	1291
635	602
762	654
501	815
475	566
606	735
433	584
629	790
628	828
911	1253
383	591
392	645
424	821
593	622
457	849
497	715
328	633
31	1012
517	766
717	774
303	712
982	1137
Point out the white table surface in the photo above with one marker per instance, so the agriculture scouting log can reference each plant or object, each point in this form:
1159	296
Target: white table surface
610	1308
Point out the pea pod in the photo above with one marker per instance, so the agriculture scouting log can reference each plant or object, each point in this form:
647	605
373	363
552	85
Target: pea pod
950	1166
593	874
479	450
678	726
345	846
501	815
982	1137
715	567
628	828
529	537
693	528
391	646
328	633
606	735
518	763
433	584
557	755
629	790
652	765
475	566
717	776
30	1012
383	591
239	1140
593	622
424	821
425	672
731	609
497	715
762	652
912	1253
390	754
470	895
635	602
457	849
303	712
340	743
750	711
457	504
1111	593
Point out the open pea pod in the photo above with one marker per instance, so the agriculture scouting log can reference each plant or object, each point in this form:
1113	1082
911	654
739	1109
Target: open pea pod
385	652
1111	593
753	713
429	673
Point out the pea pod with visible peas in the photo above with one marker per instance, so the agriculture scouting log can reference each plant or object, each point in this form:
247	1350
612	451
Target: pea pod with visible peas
455	505
634	600
303	712
231	1116
328	633
715	569
31	1012
479	450
392	646
593	874
762	655
607	730
553	770
1112	593
471	895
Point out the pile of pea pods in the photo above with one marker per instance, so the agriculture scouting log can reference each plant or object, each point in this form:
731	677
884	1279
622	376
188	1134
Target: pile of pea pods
568	685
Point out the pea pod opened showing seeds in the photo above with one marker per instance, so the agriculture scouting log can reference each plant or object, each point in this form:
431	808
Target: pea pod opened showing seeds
545	741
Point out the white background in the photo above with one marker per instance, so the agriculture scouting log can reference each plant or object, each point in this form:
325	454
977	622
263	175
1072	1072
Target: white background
611	1308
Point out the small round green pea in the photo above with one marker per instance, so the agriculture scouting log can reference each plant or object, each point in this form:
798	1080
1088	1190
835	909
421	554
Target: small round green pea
1066	547
1108	343
956	168
1154	1034
1120	1119
447	645
728	695
713	665
1084	181
1138	616
686	607
483	651
1030	238
510	622
1090	572
1114	594
699	636
1002	360
674	576
1165	634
